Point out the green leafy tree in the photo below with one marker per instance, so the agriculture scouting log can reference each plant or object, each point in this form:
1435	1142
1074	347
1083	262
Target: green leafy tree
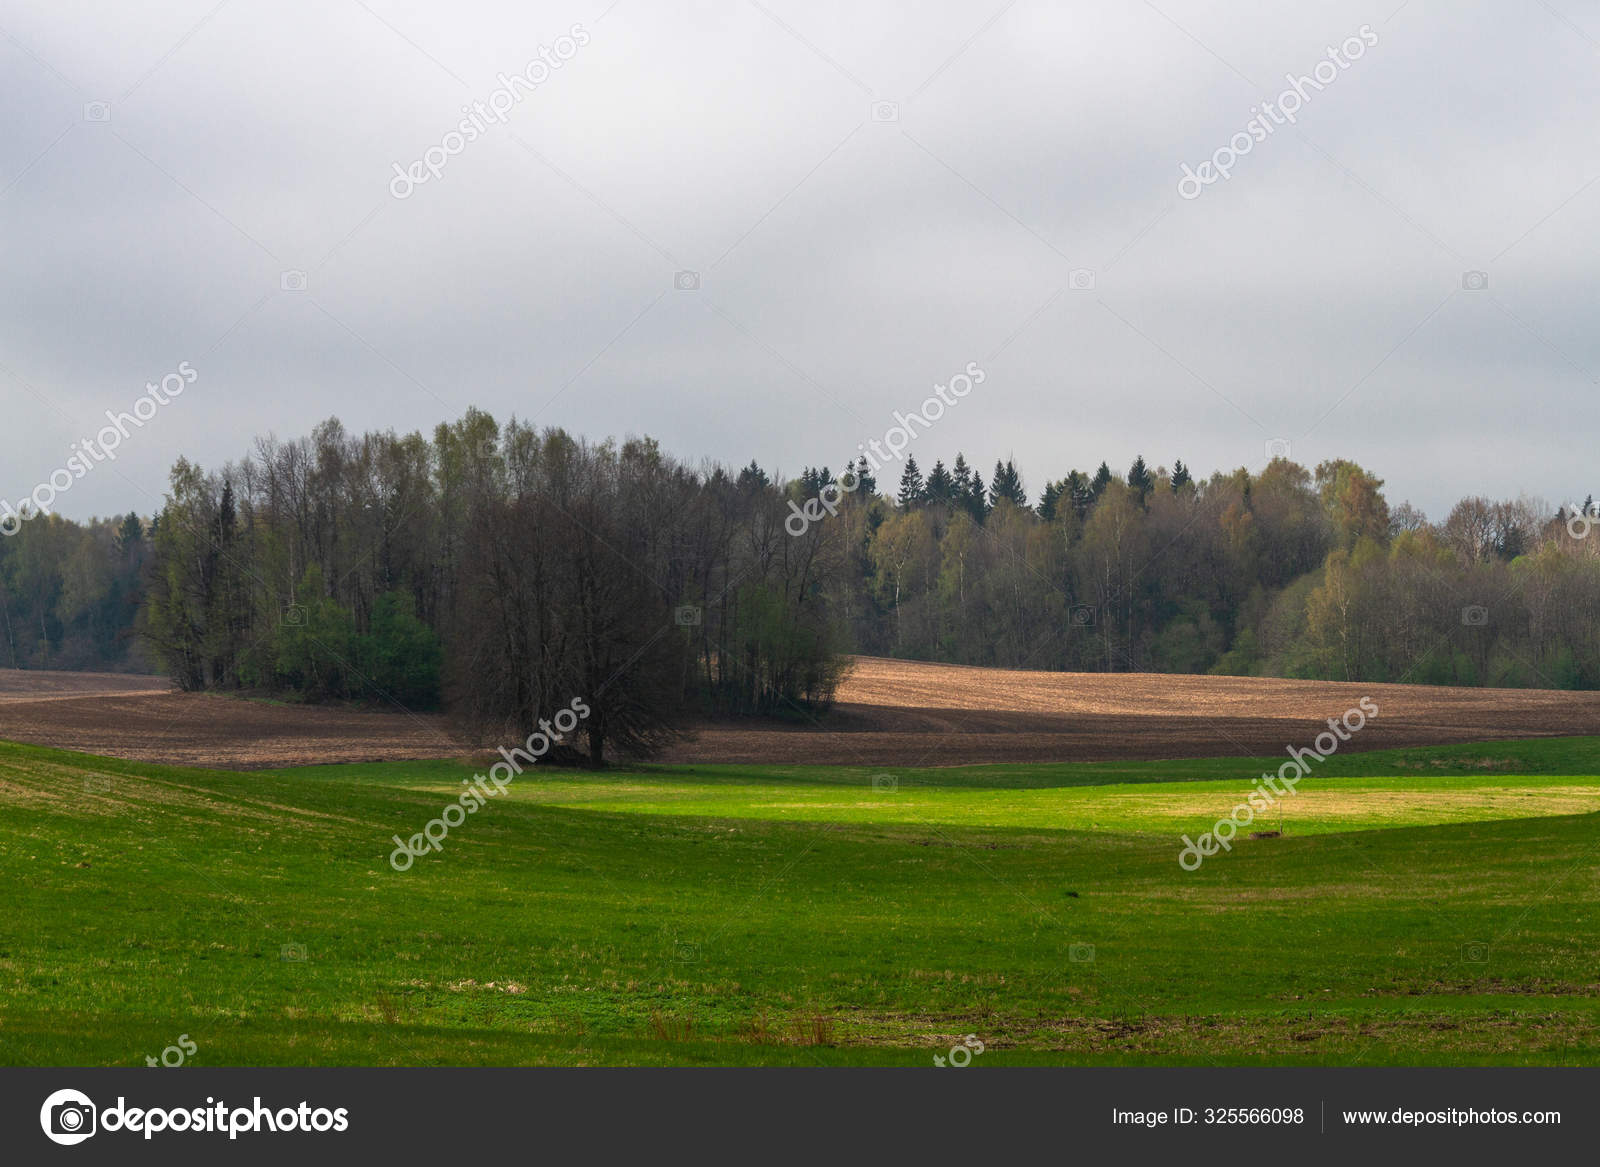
179	603
400	658
1354	502
315	643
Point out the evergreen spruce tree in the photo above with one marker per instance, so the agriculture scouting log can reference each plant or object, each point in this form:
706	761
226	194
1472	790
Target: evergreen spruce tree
913	490
1102	479
961	477
1079	492
752	478
1139	478
940	487
1052	494
866	484
130	535
1180	476
1007	483
976	501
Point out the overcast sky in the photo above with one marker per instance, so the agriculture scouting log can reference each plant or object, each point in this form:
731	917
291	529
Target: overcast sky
873	195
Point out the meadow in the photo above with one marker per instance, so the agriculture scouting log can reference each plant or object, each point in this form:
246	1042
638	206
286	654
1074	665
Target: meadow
1428	905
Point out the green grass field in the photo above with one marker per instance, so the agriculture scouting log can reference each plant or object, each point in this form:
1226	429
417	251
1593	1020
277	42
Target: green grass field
1425	906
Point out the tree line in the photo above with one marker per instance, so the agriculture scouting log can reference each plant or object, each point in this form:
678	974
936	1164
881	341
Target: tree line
497	571
1286	572
500	571
70	594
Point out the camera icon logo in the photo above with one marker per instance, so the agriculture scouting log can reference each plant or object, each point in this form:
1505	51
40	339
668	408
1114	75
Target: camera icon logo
686	953
1277	448
292	280
488	448
97	784
1080	953
1474	281
1475	952
686	281
687	616
68	1117
1475	616
885	111
292	952
1080	279
1081	616
885	782
295	615
97	111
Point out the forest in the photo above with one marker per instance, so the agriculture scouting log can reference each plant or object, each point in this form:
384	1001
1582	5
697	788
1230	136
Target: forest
497	571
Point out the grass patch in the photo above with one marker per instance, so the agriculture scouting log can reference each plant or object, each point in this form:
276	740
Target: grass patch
729	915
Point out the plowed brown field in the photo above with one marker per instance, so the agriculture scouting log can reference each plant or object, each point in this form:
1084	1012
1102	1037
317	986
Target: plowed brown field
900	712
144	718
910	713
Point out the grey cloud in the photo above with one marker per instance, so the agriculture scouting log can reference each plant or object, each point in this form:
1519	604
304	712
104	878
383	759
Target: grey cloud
847	264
